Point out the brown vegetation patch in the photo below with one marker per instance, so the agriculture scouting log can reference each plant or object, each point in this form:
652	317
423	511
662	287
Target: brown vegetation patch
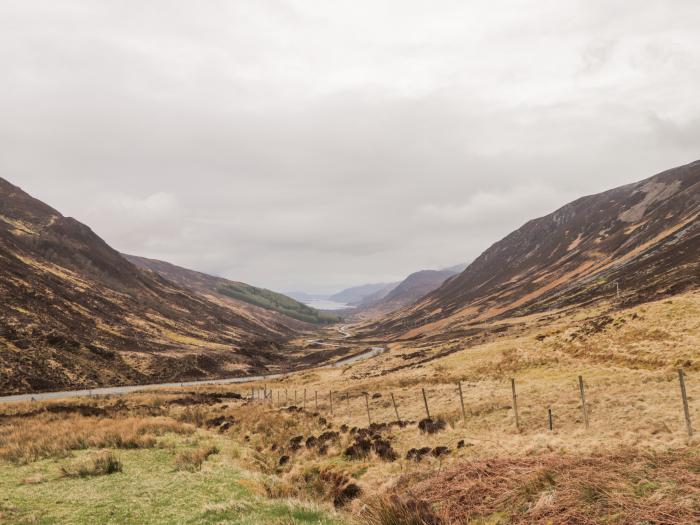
621	488
432	425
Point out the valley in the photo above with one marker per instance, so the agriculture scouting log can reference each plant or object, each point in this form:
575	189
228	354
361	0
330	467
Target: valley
556	379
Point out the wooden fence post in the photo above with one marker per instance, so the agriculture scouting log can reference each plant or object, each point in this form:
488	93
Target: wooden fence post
584	408
461	401
369	417
425	401
684	396
398	418
515	404
286	397
549	417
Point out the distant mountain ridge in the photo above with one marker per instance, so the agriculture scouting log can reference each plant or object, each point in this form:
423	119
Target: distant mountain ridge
644	237
357	294
238	291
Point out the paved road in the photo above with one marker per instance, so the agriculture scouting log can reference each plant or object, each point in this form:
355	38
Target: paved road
375	350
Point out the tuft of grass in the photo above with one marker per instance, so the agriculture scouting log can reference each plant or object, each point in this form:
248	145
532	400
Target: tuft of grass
398	510
192	460
103	463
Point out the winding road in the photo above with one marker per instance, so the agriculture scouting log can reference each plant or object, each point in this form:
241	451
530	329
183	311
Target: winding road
116	390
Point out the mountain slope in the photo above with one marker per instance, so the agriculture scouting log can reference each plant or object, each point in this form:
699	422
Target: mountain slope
238	294
77	313
358	294
644	237
416	286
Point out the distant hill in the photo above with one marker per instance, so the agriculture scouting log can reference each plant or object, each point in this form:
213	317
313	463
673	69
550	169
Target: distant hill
241	292
406	292
416	286
357	294
643	237
75	313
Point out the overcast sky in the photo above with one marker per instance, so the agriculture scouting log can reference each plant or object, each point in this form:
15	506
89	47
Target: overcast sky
315	144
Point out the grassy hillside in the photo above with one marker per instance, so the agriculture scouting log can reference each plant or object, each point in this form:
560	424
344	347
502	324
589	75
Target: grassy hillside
277	302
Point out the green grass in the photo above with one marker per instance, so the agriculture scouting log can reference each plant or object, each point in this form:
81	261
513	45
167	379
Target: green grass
277	302
149	490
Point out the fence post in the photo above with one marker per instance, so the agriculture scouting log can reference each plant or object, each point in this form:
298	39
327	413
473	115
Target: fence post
684	396
369	418
286	397
425	401
549	417
584	408
515	404
398	418
278	398
461	401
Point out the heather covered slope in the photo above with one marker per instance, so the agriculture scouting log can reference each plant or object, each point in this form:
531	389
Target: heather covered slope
272	307
76	313
644	237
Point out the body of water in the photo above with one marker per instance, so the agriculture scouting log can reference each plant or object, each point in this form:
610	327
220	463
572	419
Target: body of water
325	304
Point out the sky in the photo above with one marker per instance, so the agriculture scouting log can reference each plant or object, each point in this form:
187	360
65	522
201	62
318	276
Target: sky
310	145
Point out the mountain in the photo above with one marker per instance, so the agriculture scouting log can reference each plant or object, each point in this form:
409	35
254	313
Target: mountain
643	237
236	293
415	286
402	294
357	294
77	314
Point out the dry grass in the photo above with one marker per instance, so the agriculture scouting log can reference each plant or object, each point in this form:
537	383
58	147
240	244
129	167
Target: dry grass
627	487
192	460
102	463
398	510
30	439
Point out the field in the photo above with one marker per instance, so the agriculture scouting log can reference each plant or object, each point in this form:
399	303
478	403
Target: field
231	454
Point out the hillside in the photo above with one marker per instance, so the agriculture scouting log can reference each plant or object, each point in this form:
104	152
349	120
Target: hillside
407	292
76	313
642	237
358	294
239	295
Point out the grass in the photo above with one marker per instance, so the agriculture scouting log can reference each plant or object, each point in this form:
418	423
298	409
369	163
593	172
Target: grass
193	459
635	464
101	464
149	490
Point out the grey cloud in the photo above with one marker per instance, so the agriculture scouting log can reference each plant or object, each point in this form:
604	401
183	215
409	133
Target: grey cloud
313	145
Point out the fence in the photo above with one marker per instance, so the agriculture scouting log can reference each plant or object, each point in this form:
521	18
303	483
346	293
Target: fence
285	398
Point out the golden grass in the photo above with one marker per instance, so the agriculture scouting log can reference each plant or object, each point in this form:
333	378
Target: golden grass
29	439
102	463
193	459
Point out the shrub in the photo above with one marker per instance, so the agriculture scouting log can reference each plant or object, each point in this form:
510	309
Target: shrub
193	459
101	464
398	510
